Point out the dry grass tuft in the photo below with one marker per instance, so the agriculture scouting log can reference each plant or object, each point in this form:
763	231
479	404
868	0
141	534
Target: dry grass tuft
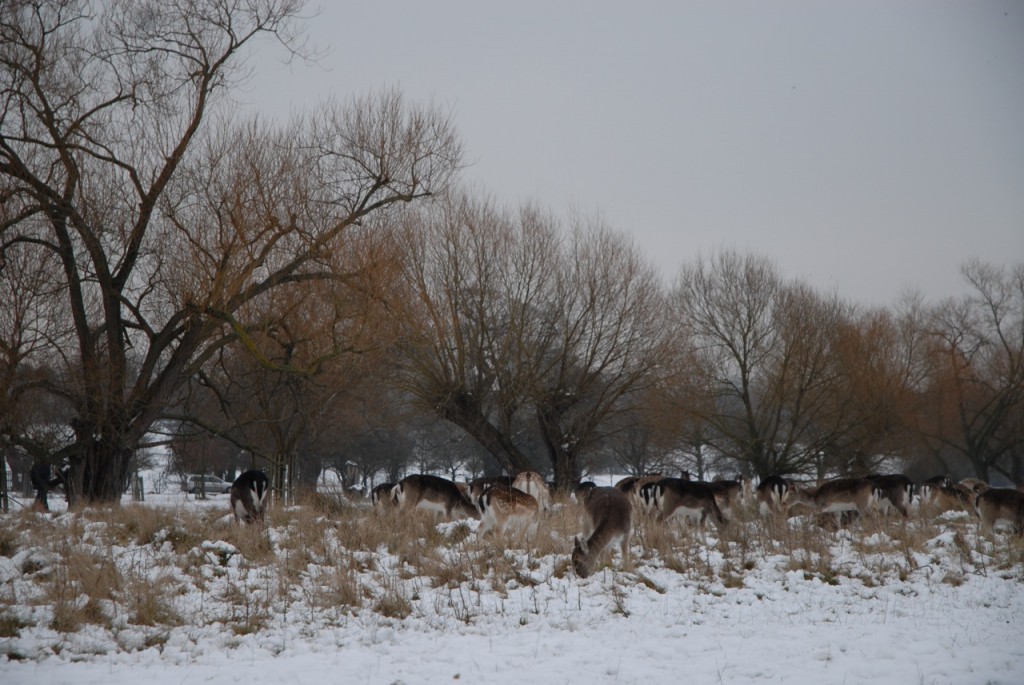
334	559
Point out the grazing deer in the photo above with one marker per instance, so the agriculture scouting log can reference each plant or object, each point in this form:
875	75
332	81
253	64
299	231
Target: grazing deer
692	500
608	518
895	491
838	497
533	484
582	489
249	496
477	486
432	493
1001	505
382	498
502	507
942	498
772	493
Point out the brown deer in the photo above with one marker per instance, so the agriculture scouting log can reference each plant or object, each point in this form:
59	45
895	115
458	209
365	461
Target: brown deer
608	518
432	493
532	483
477	486
692	500
837	497
895	491
1001	505
503	508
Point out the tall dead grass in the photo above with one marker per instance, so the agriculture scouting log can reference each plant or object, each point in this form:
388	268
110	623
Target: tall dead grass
146	566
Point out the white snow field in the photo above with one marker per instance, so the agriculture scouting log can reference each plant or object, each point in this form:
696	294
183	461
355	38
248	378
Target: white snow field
948	613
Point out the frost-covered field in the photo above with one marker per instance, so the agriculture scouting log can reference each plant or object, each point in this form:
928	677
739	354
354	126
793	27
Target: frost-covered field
325	598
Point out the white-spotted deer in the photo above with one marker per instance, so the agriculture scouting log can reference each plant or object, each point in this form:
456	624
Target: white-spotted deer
608	518
477	486
532	483
249	496
503	508
432	493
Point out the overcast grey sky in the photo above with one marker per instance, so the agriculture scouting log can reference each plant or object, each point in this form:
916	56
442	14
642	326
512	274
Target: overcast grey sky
865	147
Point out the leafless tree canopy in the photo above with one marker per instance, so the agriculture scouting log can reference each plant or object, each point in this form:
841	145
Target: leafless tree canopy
509	319
159	230
295	287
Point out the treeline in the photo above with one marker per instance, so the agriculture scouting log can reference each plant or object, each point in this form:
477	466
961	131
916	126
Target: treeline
326	293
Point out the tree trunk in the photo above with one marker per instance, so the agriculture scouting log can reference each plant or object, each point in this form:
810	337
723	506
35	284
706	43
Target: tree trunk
97	472
564	460
500	445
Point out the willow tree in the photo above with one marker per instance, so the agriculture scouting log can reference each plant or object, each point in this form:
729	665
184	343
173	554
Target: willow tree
764	349
515	330
973	395
170	224
474	277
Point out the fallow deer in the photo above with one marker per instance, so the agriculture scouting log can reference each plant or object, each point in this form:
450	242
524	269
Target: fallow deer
837	497
975	485
432	493
608	518
692	500
478	485
249	496
895	491
382	497
1001	505
582	489
503	508
728	493
642	493
938	499
772	493
533	484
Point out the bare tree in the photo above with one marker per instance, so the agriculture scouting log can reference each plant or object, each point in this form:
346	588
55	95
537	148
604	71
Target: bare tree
604	339
765	349
475	277
974	394
166	230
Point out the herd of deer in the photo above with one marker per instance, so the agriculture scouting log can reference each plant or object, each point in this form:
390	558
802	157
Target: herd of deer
505	503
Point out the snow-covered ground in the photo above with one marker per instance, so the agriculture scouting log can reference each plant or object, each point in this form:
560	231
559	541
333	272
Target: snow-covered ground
939	620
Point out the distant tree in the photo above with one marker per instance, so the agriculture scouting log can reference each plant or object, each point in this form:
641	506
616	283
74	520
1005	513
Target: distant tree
474	278
765	349
875	397
166	229
507	319
604	340
974	393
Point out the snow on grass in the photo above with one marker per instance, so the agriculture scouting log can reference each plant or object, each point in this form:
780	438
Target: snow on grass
326	597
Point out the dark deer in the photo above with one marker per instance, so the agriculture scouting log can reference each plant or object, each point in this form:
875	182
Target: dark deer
249	496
